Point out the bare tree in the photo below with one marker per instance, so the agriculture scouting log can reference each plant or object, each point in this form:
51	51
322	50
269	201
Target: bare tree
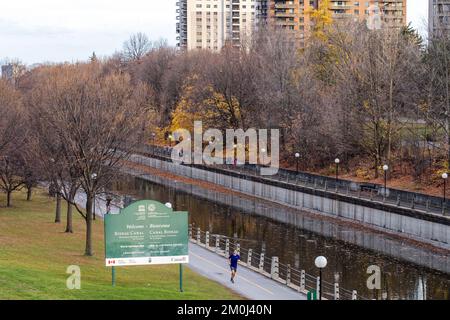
45	150
277	82
437	109
11	173
10	115
136	47
375	73
155	70
63	178
12	133
31	173
98	120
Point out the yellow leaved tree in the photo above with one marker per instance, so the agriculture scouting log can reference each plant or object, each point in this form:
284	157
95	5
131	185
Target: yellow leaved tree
184	115
321	18
199	103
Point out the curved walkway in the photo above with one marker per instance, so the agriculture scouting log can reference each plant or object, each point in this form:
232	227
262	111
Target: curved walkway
248	283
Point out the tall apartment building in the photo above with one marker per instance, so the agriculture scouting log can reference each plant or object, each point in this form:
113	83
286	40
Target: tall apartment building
210	23
392	13
294	14
182	23
438	16
8	72
12	71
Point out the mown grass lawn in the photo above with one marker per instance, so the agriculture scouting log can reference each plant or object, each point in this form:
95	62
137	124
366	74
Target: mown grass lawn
35	253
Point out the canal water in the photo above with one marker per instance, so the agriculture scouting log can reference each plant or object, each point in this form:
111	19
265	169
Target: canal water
298	247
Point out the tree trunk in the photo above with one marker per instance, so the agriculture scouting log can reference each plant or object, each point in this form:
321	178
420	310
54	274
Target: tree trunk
69	225
88	251
29	193
447	102
58	208
377	148
8	199
93	208
377	164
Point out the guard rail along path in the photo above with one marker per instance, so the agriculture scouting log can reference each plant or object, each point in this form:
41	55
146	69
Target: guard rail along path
421	217
271	267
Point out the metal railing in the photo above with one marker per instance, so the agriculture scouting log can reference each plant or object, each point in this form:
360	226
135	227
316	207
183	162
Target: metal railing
366	191
271	267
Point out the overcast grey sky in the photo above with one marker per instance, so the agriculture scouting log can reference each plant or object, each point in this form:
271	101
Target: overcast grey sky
70	30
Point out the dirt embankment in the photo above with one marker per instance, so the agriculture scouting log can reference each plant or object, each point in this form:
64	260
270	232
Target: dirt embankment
401	176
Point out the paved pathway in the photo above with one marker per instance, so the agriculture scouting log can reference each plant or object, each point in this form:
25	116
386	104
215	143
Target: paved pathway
248	283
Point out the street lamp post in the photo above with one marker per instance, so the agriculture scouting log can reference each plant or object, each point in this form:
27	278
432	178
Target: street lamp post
170	206
297	157
337	161
153	142
320	262
263	151
210	143
445	177
94	177
385	169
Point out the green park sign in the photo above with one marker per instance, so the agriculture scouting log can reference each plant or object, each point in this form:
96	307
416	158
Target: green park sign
146	233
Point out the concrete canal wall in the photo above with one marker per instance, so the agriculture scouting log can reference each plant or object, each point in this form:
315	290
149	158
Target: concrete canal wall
371	241
416	224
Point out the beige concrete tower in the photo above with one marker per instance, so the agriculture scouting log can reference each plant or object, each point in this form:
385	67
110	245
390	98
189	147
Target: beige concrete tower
209	24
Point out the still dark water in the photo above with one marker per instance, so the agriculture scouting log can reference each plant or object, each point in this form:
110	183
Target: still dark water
299	247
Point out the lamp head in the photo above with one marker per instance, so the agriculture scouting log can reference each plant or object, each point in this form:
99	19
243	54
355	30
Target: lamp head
321	262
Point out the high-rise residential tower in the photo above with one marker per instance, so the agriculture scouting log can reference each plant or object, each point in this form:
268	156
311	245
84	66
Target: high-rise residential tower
209	24
12	71
182	23
295	14
392	13
438	16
